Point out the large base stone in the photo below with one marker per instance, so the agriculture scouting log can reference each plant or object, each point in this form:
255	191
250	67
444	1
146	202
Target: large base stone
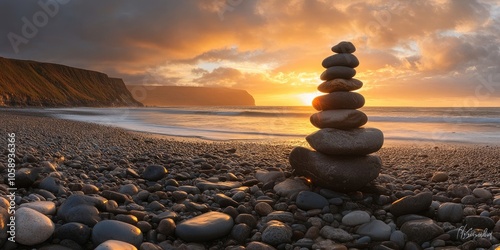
338	173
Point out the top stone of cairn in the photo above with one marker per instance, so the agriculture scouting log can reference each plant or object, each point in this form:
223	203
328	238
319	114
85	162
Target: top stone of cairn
344	47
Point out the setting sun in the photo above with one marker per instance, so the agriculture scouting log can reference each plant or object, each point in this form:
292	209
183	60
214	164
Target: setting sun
307	98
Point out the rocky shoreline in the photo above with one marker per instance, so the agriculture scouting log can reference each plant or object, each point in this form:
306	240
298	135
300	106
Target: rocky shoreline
81	185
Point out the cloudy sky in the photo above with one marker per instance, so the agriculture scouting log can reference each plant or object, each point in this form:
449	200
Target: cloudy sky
411	53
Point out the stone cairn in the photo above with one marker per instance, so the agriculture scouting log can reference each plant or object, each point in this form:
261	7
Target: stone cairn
342	161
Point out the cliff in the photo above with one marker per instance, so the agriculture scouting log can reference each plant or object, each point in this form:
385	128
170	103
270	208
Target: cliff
190	96
30	83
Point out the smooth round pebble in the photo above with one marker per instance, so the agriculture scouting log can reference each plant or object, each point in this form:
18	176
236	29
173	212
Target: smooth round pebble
439	177
241	232
307	200
166	227
355	218
376	230
129	189
399	238
115	245
154	172
263	208
44	207
277	233
32	227
482	193
116	230
205	227
290	187
77	232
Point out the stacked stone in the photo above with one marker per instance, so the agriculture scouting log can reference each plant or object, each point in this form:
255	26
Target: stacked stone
342	160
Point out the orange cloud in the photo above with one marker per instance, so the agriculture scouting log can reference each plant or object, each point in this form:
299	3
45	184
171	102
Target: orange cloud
408	50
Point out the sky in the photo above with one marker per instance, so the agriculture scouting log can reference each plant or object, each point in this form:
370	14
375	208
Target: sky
411	53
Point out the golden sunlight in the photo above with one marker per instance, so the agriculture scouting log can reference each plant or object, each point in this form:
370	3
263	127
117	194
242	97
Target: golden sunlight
307	98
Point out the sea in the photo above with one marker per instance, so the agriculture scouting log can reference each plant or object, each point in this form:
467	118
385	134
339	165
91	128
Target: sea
479	125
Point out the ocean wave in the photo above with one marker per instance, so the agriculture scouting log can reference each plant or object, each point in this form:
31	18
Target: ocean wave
436	119
242	113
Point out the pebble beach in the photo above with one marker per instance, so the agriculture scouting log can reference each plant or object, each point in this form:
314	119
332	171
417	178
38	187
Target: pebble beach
88	186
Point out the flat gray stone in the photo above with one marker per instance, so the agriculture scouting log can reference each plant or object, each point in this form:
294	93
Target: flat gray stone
338	173
337	72
482	193
341	59
458	191
340	84
290	187
50	184
359	141
77	232
268	176
399	238
339	119
283	216
421	231
222	185
355	218
336	234
307	200
479	222
339	100
81	208
116	230
451	212
376	229
224	201
205	227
